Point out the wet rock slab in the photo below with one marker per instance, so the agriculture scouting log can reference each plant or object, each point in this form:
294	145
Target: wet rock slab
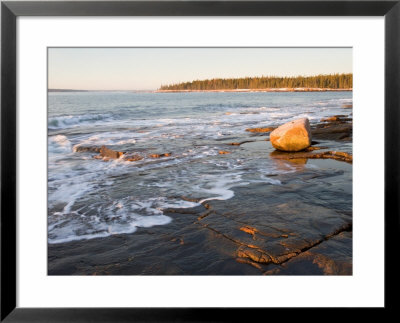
336	155
338	127
332	257
272	233
292	228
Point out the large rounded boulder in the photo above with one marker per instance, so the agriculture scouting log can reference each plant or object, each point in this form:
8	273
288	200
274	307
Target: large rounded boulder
292	136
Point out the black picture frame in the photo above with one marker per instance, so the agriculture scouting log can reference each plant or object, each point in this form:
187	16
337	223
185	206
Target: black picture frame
11	10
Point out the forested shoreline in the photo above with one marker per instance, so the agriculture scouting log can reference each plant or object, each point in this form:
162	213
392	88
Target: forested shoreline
327	81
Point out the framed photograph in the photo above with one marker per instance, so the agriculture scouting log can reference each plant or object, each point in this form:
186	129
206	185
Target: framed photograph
197	157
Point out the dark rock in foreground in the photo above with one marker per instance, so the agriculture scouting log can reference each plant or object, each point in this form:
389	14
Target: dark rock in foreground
332	257
301	226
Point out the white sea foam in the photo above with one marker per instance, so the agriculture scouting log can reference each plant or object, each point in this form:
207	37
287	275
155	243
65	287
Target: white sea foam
180	204
59	144
221	186
108	138
270	180
126	141
68	191
61	140
120	217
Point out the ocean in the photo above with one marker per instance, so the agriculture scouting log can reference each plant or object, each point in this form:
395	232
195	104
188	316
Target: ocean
90	198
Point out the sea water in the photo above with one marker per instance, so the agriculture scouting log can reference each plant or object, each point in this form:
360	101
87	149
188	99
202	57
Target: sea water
90	198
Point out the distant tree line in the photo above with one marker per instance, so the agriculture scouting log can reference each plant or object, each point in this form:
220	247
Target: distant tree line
331	81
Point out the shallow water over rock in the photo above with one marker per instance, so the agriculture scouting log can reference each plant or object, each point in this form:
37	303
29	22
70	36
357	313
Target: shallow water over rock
273	226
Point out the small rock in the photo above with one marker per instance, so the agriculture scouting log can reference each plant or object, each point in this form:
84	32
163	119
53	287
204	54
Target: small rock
92	149
133	157
159	155
248	230
240	143
335	118
268	129
106	152
292	136
314	148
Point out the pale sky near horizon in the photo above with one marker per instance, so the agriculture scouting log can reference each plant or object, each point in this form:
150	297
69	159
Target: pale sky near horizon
149	68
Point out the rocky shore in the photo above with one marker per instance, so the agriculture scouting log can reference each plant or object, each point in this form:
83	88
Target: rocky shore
337	128
301	227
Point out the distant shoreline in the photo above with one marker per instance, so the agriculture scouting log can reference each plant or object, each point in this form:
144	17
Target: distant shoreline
68	90
65	90
262	90
221	90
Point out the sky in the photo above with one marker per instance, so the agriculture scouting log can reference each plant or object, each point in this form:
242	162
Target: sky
149	68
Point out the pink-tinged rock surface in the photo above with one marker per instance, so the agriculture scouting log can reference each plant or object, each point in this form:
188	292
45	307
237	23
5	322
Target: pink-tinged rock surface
292	136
